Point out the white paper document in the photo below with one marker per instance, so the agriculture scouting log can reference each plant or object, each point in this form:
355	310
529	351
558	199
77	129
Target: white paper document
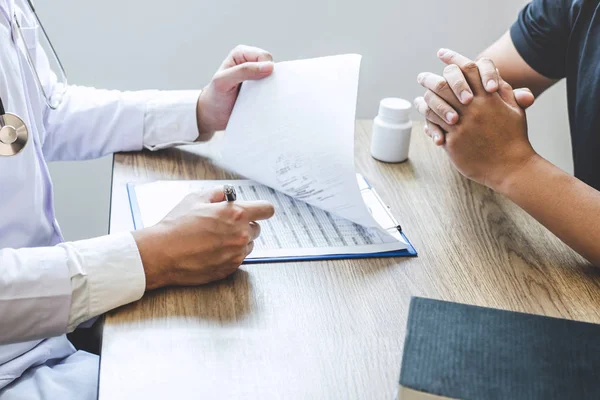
297	228
292	135
294	132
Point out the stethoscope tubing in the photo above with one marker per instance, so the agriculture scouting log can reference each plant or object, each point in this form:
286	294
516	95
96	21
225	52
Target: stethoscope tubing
13	131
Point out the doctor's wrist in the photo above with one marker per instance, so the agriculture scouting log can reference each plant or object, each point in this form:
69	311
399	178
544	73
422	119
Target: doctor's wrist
203	120
155	259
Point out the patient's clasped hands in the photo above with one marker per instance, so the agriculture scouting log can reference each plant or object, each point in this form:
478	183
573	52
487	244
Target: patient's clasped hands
477	118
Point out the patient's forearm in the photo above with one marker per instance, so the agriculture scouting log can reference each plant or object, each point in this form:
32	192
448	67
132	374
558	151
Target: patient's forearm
513	68
563	204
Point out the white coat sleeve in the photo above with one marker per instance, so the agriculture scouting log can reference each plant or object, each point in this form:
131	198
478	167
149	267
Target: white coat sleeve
38	297
90	123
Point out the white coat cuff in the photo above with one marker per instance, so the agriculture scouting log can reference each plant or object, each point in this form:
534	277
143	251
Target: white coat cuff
171	119
109	274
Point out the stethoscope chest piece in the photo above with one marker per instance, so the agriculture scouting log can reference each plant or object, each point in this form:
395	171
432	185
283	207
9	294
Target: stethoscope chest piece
13	135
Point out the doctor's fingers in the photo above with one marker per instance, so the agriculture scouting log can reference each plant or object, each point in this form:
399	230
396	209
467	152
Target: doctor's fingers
228	79
213	195
249	248
255	210
242	54
254	231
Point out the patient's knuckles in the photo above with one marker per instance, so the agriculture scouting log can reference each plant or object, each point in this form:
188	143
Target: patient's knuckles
441	86
470	68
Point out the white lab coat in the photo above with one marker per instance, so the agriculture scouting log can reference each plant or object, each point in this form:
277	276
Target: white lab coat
36	270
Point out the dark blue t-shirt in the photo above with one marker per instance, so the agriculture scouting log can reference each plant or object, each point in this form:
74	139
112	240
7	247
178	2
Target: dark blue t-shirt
561	39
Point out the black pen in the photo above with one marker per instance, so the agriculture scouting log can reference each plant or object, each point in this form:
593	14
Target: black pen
230	194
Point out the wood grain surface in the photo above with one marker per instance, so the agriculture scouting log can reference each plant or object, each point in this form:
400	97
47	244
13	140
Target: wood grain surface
335	329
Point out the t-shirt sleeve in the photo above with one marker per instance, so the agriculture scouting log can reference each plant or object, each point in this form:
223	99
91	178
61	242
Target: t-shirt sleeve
541	36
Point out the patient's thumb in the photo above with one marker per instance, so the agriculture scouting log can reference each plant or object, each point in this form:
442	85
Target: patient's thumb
524	97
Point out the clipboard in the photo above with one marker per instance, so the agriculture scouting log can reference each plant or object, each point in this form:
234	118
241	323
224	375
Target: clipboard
378	209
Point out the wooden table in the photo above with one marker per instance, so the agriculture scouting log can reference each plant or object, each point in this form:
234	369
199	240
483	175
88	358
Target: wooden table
335	330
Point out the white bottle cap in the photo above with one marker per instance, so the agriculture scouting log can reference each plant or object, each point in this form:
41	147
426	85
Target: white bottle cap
394	109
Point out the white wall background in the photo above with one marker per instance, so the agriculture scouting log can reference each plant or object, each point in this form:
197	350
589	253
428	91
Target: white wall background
139	44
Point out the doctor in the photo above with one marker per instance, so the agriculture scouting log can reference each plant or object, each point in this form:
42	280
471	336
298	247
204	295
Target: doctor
48	287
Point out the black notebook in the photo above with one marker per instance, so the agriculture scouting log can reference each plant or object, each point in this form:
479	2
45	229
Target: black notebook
466	352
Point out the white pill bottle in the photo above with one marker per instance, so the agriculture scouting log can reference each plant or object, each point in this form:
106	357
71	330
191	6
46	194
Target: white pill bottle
391	131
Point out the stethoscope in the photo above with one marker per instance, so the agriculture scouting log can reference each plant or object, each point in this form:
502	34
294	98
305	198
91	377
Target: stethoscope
14	134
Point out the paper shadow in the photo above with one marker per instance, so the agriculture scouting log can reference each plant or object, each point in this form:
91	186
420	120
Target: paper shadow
179	163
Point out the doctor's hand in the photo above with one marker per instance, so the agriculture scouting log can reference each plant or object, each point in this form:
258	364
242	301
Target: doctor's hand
489	142
217	99
203	239
455	80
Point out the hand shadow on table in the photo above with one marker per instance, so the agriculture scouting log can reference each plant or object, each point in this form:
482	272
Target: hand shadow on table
226	301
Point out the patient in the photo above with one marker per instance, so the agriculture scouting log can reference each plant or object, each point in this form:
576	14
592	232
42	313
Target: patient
475	115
